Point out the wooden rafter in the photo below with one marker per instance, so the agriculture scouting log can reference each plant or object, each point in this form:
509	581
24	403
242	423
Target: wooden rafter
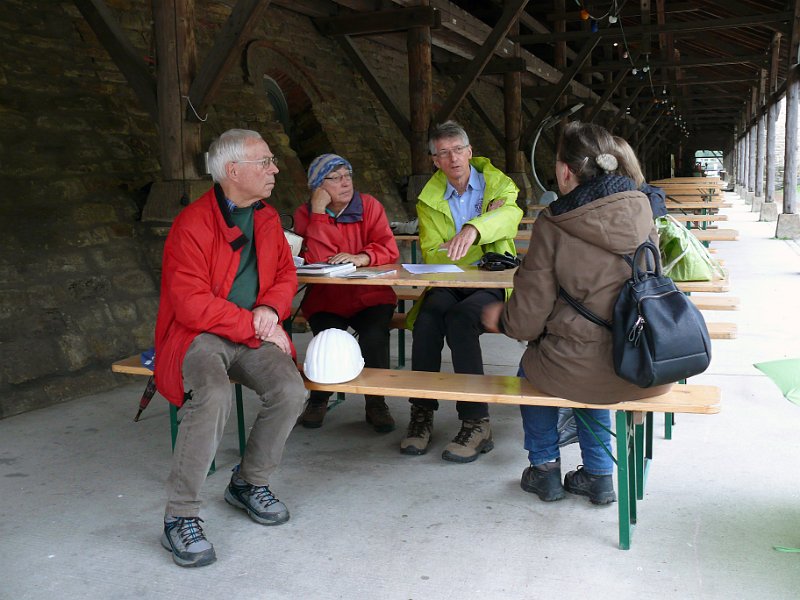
375	85
385	21
128	60
243	18
676	28
550	101
511	13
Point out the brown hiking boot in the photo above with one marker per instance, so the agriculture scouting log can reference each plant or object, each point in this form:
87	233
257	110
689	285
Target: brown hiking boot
313	415
378	415
474	438
418	435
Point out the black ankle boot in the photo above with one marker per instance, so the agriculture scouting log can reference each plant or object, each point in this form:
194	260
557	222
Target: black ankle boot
544	481
599	488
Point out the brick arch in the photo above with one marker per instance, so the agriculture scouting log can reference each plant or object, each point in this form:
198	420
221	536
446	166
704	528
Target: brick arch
306	135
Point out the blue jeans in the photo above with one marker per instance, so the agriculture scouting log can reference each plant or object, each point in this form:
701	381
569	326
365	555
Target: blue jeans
541	436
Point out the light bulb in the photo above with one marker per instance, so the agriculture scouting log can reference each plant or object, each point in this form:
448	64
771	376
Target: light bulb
612	19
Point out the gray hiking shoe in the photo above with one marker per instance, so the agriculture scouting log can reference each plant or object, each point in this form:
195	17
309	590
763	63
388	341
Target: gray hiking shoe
184	537
259	502
473	439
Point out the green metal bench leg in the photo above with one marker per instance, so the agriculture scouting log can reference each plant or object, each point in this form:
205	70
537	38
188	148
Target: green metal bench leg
669	421
625	499
648	447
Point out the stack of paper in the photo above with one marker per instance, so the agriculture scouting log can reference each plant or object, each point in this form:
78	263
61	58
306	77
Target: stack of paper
369	272
325	269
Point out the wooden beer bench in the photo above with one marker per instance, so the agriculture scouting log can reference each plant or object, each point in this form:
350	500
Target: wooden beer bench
633	430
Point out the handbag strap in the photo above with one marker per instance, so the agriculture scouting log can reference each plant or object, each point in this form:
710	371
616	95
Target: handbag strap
582	310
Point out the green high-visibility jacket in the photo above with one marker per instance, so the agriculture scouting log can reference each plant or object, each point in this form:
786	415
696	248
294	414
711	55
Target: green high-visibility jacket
496	228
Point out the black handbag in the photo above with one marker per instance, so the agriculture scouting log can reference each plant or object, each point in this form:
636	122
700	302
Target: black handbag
494	261
659	336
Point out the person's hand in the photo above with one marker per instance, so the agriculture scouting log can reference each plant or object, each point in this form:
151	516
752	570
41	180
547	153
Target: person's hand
265	321
490	317
280	339
458	247
359	260
320	200
496	203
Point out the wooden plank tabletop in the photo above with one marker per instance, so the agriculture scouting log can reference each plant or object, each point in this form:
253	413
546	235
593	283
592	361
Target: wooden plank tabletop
470	277
473	277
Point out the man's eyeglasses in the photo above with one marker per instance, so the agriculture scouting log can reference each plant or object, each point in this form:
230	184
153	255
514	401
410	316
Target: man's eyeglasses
338	177
264	162
454	151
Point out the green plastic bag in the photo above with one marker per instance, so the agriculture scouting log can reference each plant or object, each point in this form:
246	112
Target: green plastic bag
683	256
786	375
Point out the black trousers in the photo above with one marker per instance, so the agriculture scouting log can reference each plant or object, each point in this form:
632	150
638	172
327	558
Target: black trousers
372	327
452	314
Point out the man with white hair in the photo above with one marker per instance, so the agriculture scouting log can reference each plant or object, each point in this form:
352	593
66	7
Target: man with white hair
227	283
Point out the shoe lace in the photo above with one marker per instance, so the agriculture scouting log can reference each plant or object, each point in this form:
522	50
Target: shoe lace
465	433
263	495
189	530
419	423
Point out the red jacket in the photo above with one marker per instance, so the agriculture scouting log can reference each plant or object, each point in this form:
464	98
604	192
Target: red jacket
201	256
362	227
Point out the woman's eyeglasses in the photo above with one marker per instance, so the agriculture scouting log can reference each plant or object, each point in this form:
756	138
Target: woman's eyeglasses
338	177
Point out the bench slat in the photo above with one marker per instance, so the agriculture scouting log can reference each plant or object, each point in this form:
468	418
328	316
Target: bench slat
681	218
715	302
722	331
716	235
506	389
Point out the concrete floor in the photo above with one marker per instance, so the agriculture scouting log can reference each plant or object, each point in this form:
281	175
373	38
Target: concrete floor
81	493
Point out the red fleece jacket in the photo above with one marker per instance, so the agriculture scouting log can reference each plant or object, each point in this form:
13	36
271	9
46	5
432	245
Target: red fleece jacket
365	231
201	256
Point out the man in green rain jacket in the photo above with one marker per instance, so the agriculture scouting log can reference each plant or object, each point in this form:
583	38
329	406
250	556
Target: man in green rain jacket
467	208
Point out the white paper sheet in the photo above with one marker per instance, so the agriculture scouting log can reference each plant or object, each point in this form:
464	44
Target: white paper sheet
418	269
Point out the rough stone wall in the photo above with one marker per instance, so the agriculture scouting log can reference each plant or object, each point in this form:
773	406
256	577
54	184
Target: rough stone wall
79	270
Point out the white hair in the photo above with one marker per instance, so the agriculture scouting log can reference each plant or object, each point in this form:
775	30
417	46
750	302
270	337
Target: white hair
446	130
229	147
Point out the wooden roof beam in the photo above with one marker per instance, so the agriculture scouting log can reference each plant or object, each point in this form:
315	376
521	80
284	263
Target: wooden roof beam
511	12
355	56
550	101
496	66
756	59
224	53
128	60
384	21
675	28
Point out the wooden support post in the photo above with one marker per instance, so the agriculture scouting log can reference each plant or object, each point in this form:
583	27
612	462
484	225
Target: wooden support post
179	141
512	105
420	90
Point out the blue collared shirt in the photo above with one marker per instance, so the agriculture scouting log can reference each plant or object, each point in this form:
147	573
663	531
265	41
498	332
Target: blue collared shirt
468	205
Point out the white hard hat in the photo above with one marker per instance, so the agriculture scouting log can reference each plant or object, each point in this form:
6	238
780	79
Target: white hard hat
333	356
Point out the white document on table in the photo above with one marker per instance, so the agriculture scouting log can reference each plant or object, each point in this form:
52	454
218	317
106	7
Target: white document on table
420	269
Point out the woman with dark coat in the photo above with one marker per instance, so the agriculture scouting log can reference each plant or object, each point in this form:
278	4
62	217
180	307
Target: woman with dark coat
578	244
